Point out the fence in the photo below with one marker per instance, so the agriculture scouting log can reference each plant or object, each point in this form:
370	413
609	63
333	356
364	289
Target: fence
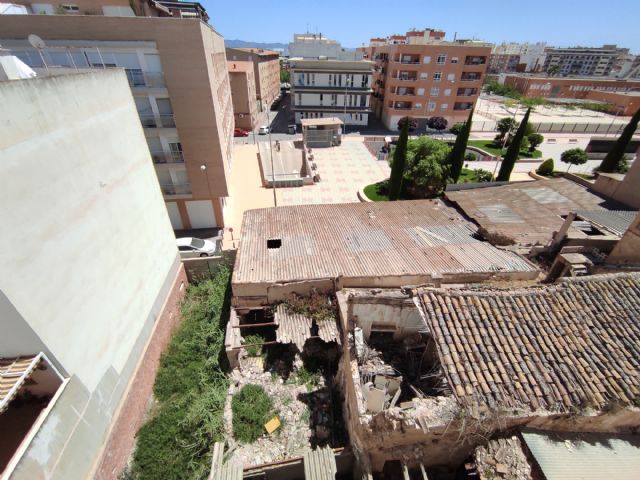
558	127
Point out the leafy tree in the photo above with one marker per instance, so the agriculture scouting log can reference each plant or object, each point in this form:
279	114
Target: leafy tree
456	158
456	128
546	168
399	163
437	123
529	129
482	175
496	88
615	158
575	156
535	139
505	126
284	76
413	123
514	149
553	70
427	170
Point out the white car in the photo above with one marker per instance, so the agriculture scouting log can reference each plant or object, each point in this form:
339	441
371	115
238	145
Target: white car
191	247
263	130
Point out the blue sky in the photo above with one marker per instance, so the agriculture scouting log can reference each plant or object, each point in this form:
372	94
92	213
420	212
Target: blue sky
352	22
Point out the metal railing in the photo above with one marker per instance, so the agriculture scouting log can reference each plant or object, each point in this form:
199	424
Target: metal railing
157	121
470	79
175	188
137	78
167	157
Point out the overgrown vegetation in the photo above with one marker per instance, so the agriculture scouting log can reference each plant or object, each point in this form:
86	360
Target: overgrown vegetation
475	176
503	90
190	388
316	306
252	341
251	408
308	378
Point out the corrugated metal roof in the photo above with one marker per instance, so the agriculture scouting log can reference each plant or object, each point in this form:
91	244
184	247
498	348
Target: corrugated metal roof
13	373
616	221
296	328
528	212
585	456
320	464
357	240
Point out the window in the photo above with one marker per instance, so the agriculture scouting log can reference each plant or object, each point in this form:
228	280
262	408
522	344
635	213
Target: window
321	98
431	106
185	248
334	99
437	76
365	81
299	99
451	77
444	106
363	100
418	106
69	8
424	75
421	91
447	92
426	60
435	91
454	59
274	243
441	60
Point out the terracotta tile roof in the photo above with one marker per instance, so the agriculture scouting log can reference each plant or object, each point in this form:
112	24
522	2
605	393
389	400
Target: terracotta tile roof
13	373
528	212
571	344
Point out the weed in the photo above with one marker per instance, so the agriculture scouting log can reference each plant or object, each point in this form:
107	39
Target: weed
308	378
315	306
252	349
251	408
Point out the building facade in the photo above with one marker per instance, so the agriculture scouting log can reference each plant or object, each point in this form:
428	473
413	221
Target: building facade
331	88
243	94
178	76
266	70
578	88
585	61
428	79
92	275
516	57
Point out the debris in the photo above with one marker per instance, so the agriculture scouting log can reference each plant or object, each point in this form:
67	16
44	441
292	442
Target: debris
272	425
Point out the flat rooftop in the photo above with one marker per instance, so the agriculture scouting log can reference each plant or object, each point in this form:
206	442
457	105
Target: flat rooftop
528	213
367	244
308	122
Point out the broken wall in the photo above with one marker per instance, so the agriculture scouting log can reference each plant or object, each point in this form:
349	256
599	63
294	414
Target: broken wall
397	314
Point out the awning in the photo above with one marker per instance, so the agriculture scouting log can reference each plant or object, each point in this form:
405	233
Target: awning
13	373
296	328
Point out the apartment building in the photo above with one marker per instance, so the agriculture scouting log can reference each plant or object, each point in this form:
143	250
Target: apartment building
266	70
91	282
578	88
177	72
585	61
426	77
512	57
243	94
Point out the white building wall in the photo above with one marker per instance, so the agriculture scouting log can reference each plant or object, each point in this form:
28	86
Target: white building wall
86	250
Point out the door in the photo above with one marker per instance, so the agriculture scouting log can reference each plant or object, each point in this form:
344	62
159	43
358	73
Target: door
201	214
174	215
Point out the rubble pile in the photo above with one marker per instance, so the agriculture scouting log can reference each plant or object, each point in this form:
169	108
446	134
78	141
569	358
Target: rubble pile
503	458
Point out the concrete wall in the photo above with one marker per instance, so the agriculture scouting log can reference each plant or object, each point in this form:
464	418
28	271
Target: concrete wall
621	188
627	250
88	242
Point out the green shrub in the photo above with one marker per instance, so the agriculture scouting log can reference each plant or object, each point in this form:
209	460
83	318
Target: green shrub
546	168
469	157
308	378
253	350
251	408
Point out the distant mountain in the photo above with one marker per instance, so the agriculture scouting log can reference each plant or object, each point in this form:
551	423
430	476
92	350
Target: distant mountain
266	46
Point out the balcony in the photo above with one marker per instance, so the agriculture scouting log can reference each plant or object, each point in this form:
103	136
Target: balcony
467	92
470	77
401	105
167	157
462	106
472	60
165	120
139	79
405	77
404	92
175	189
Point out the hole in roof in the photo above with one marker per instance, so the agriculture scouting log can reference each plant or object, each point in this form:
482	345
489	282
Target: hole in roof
274	243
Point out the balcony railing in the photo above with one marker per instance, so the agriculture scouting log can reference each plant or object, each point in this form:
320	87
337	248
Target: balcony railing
470	78
167	157
158	121
137	78
175	188
408	79
475	60
407	94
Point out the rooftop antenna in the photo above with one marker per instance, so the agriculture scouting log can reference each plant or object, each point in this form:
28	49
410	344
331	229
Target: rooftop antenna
37	43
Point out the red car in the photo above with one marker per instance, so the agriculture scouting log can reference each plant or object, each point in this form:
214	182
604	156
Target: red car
238	132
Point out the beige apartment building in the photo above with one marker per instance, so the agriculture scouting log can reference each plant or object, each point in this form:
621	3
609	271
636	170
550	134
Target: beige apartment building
177	72
424	76
243	94
266	69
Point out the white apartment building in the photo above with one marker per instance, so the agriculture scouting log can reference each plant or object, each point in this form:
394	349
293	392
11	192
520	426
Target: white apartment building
312	45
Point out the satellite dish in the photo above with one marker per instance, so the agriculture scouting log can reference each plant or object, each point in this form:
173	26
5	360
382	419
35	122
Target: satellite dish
36	41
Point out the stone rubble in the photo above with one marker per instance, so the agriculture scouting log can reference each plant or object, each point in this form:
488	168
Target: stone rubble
503	458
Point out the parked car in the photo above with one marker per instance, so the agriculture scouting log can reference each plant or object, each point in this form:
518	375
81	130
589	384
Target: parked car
263	130
238	132
191	247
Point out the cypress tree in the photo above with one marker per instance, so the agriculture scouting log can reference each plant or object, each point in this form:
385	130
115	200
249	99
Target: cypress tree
511	156
616	154
399	163
456	157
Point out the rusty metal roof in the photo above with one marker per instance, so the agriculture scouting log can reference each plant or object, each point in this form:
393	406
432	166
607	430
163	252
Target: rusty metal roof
555	347
528	212
296	328
320	464
615	221
13	373
405	238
